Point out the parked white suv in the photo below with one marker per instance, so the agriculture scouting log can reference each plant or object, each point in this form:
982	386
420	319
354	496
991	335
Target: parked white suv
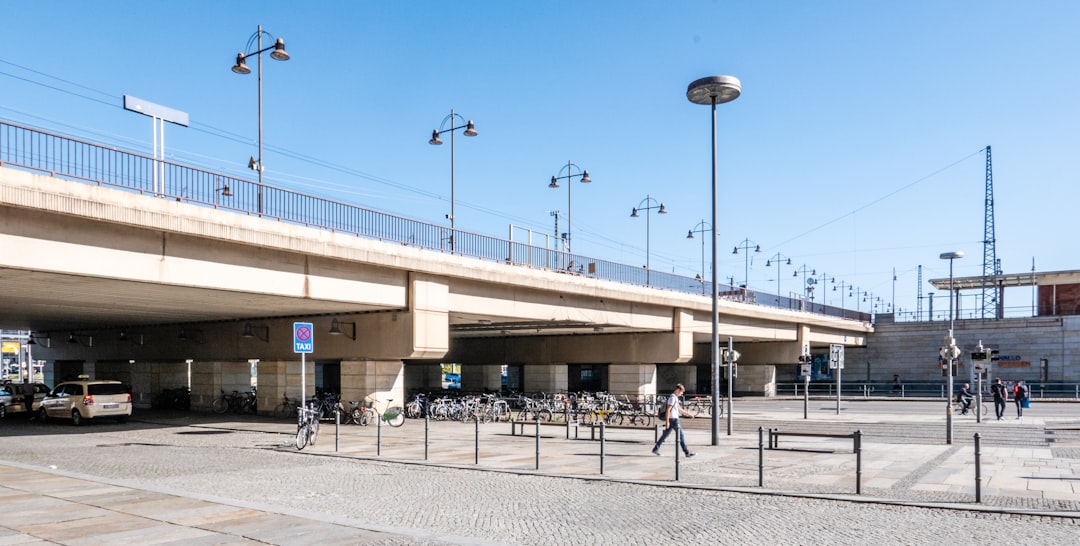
81	401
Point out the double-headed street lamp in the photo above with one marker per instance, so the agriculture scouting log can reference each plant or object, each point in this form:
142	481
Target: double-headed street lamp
701	229
950	351
241	67
713	90
469	131
804	268
776	260
646	205
583	174
843	285
746	245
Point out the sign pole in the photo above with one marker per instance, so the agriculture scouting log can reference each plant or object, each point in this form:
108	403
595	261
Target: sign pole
303	343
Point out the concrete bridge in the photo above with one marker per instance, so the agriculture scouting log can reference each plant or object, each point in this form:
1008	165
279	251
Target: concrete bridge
162	292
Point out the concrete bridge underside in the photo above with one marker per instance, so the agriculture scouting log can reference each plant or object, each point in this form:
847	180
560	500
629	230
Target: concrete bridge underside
148	284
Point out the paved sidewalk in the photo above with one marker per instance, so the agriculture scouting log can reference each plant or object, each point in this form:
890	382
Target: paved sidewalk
904	464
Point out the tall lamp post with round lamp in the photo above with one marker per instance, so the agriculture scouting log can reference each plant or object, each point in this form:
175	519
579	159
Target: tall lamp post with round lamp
746	245
241	67
647	204
713	90
950	352
583	174
469	131
776	260
701	228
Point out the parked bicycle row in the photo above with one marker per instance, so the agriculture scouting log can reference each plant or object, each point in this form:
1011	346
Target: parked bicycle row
586	408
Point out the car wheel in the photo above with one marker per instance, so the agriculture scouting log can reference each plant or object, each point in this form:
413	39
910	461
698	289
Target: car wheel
3	411
76	418
42	416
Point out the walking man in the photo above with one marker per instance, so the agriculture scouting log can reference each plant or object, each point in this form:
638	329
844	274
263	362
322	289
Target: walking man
1000	398
671	421
28	398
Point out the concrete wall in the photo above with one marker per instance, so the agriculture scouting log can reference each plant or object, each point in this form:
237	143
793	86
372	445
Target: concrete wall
910	349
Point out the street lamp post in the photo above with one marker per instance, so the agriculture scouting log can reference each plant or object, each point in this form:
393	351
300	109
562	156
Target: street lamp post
569	177
746	245
950	351
713	90
776	259
241	67
701	229
843	286
647	205
469	131
804	268
826	279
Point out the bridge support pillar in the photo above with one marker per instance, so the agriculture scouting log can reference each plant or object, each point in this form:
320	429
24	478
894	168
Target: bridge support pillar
632	379
545	377
379	379
667	375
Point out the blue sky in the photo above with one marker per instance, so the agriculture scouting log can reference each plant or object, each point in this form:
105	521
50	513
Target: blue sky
856	147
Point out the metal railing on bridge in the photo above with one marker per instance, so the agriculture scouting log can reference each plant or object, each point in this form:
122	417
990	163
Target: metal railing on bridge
74	159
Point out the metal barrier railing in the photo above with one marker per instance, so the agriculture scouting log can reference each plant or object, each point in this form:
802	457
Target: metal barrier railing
923	389
67	157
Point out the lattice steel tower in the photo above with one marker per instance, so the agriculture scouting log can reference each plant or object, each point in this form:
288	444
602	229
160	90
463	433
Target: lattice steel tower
990	263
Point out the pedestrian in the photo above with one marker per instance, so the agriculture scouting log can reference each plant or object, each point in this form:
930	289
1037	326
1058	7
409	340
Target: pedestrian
896	383
28	397
965	397
671	421
1020	394
1001	396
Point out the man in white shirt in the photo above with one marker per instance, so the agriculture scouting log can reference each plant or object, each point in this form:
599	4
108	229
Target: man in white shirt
671	421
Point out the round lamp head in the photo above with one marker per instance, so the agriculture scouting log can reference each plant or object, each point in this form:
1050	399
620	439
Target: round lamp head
554	183
435	140
470	129
585	176
240	67
719	88
279	53
952	255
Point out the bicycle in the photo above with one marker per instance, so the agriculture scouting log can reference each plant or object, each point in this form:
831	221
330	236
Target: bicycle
307	427
237	402
287	407
392	415
958	408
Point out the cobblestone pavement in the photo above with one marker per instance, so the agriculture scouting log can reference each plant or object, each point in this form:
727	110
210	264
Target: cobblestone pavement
403	499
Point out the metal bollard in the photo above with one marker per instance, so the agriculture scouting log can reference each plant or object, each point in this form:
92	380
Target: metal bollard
476	457
566	419
601	448
978	468
678	432
761	456
538	444
858	462
337	428
427	438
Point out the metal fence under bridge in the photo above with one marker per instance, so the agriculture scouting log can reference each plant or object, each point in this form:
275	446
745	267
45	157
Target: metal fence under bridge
74	159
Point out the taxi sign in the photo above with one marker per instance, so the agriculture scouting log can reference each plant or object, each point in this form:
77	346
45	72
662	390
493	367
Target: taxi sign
303	337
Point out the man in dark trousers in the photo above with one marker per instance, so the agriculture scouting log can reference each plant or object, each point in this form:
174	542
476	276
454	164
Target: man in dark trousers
1001	396
671	421
28	398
